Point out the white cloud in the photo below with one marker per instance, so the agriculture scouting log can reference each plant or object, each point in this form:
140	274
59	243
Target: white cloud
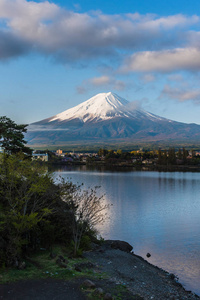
107	81
104	82
181	94
100	80
51	30
163	61
170	22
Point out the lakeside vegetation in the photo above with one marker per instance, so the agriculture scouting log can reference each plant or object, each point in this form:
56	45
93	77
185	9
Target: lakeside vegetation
36	212
45	226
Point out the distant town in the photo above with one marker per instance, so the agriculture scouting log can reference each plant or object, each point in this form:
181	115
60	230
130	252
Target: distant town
170	157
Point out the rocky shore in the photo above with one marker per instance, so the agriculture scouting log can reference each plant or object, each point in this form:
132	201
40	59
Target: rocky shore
111	271
140	277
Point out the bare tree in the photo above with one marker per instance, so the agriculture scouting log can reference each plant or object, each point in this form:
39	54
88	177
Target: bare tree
87	210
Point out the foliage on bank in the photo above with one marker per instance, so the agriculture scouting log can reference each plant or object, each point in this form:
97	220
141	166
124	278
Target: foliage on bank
12	137
36	213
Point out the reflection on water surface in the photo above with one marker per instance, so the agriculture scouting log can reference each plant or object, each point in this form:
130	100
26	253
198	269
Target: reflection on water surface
156	212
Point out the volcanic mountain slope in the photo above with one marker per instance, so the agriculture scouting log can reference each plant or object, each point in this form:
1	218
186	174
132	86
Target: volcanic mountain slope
108	117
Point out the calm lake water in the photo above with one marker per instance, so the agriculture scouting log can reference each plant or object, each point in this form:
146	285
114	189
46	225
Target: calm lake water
156	212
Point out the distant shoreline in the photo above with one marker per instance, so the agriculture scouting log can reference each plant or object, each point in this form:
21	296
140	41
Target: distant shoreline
161	168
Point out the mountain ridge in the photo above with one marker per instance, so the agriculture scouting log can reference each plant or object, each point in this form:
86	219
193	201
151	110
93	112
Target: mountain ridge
103	106
107	117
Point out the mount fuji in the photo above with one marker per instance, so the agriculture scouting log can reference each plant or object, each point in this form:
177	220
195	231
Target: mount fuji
108	118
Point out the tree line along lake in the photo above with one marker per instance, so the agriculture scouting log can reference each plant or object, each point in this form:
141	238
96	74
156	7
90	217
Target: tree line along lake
156	212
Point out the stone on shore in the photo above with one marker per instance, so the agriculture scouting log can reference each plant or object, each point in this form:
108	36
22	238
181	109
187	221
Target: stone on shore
89	284
108	296
121	245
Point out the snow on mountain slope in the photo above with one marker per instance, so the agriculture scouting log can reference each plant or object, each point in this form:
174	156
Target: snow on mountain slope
103	106
107	117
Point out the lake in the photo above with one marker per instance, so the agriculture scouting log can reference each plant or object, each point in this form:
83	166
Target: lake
156	212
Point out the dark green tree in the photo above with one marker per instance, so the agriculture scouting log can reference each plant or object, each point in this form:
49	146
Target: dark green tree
179	155
159	156
171	156
185	155
12	137
27	196
165	157
102	152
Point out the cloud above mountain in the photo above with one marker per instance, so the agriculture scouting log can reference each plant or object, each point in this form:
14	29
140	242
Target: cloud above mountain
181	94
68	36
184	59
104	82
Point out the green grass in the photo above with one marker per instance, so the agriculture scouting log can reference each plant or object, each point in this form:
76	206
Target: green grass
42	266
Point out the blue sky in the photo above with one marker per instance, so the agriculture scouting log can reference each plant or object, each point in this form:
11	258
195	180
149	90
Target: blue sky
57	54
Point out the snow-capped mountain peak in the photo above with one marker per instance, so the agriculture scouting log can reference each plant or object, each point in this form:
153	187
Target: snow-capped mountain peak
104	118
103	106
